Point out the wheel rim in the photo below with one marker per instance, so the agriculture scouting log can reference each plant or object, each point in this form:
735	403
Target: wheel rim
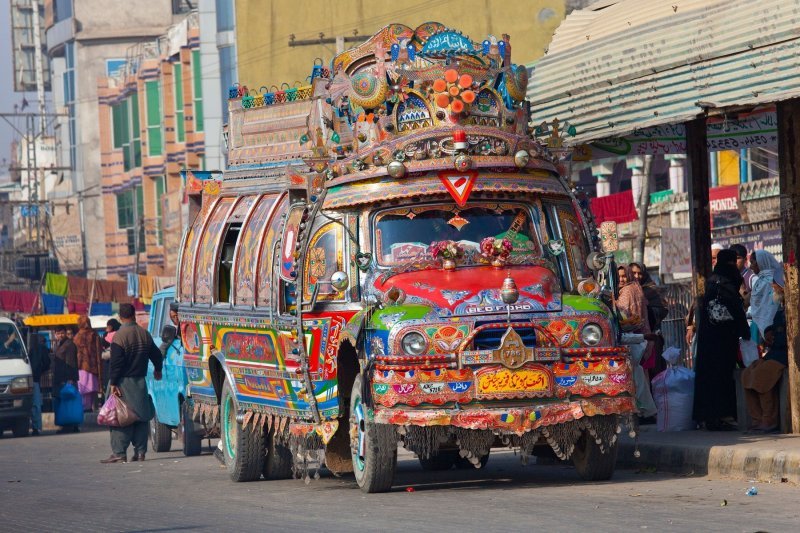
229	418
357	429
153	422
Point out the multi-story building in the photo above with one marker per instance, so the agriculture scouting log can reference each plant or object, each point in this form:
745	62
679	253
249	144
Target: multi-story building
276	42
86	40
152	126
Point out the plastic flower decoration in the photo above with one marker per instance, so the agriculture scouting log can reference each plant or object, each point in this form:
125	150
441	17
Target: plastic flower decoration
492	248
446	250
454	91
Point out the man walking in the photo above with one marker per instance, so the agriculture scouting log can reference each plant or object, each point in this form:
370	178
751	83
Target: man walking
65	370
131	349
40	363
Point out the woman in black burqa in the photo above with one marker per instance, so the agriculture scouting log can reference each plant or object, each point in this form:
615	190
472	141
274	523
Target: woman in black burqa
720	323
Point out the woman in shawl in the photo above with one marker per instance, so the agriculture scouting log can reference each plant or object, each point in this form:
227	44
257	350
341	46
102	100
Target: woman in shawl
656	313
89	350
767	288
632	303
632	306
720	323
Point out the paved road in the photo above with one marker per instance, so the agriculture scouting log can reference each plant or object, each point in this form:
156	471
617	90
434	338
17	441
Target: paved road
55	483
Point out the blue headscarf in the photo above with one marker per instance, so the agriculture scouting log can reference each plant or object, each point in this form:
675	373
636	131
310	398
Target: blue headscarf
762	299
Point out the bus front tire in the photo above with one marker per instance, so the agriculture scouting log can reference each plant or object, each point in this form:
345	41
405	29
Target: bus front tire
373	447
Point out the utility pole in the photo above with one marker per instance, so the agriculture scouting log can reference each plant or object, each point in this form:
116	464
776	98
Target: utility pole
789	162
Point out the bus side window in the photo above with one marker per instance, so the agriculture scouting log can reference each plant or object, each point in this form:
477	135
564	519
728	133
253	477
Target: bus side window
554	233
226	263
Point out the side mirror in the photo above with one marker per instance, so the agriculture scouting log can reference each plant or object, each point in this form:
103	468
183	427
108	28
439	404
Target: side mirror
609	241
596	261
339	281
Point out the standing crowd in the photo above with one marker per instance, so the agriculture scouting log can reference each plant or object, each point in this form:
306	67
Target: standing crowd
739	323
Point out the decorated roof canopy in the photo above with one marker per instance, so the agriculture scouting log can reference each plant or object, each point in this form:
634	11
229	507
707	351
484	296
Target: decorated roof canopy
405	101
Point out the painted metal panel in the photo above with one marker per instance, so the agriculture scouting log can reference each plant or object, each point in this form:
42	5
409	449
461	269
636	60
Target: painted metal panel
638	63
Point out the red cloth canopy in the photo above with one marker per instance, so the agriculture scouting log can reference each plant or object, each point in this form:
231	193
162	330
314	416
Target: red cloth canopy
618	207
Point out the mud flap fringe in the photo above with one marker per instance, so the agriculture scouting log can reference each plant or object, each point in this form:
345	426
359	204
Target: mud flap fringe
308	452
563	437
423	441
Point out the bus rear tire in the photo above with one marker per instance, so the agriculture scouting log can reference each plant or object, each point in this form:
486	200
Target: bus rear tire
160	435
243	448
192	440
444	460
278	461
590	462
373	447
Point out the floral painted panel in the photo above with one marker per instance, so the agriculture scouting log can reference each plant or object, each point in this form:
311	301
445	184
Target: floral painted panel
248	251
206	253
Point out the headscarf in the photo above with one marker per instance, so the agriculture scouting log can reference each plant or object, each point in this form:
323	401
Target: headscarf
762	302
88	343
726	267
654	301
767	262
632	302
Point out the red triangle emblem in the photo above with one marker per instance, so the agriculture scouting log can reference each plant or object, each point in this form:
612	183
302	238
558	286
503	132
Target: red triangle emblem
459	184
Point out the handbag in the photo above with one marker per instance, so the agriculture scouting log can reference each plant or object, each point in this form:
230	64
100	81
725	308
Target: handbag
718	312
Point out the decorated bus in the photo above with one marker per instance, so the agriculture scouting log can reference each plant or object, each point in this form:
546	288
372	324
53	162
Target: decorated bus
392	258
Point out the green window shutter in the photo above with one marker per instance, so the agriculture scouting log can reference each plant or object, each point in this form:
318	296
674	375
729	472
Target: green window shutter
197	84
180	127
125	135
155	143
125	209
136	131
115	123
140	217
159	183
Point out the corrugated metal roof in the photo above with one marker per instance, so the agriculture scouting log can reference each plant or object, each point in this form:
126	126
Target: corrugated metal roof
615	67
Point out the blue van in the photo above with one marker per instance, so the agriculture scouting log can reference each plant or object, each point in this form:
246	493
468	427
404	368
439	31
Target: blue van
173	412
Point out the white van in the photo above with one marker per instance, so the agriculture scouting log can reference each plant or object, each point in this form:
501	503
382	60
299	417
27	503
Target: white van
16	381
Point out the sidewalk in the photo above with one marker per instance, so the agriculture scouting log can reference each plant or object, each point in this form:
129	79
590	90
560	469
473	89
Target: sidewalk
48	423
773	458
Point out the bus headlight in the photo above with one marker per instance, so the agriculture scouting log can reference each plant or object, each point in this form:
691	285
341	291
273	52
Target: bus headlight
591	334
414	343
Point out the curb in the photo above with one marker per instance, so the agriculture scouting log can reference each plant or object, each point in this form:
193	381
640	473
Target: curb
739	462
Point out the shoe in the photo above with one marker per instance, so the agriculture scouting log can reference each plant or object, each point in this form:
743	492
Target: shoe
76	429
137	457
114	459
63	430
35	432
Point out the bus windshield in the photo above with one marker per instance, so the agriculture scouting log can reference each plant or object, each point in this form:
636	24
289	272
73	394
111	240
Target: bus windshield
403	235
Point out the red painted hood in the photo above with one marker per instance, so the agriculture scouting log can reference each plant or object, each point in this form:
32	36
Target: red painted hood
476	290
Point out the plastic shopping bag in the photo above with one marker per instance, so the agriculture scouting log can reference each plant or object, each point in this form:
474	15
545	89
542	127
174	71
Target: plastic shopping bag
673	392
125	415
108	413
749	351
69	411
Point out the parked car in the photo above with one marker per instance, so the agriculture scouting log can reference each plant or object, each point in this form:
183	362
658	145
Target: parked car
173	413
16	381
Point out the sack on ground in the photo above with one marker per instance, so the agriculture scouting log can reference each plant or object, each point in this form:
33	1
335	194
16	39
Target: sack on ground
125	415
108	413
69	411
749	352
673	392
